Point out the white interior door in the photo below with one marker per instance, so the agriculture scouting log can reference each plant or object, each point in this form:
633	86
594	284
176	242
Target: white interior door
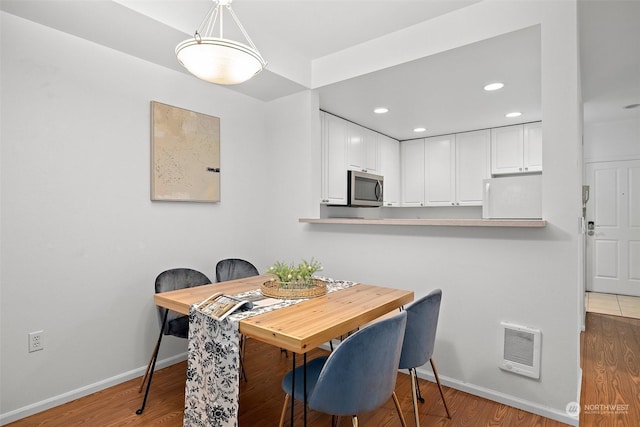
613	227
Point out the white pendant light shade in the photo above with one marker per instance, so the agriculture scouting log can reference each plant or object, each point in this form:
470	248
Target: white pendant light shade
219	61
216	59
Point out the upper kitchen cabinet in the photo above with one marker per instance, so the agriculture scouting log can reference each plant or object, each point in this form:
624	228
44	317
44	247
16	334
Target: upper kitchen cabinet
334	160
439	171
363	150
445	170
412	172
473	165
390	169
347	146
516	149
455	166
533	147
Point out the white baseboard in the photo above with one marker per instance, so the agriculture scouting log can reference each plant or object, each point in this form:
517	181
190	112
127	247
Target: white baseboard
34	408
505	399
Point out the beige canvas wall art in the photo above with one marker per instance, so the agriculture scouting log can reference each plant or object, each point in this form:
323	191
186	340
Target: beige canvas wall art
185	155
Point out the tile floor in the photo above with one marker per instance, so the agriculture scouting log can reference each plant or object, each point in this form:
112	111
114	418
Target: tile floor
616	305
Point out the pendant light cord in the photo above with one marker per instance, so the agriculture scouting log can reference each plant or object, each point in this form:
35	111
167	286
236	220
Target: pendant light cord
207	26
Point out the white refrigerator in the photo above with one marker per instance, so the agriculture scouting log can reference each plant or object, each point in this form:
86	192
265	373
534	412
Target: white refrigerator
513	197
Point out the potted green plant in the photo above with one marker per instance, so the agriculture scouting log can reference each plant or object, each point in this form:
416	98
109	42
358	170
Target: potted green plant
294	281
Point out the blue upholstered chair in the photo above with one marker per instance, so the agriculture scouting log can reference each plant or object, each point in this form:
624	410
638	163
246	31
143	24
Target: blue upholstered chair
357	377
234	268
171	323
419	339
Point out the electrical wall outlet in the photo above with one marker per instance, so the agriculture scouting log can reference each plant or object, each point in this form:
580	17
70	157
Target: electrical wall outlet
36	342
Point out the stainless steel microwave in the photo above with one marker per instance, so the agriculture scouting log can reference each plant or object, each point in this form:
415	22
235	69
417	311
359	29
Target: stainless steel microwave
364	189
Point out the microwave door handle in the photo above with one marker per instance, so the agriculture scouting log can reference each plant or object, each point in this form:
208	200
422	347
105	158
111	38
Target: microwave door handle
378	190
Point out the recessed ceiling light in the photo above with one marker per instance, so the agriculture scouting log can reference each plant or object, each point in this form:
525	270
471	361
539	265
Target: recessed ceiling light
494	86
420	129
514	114
381	110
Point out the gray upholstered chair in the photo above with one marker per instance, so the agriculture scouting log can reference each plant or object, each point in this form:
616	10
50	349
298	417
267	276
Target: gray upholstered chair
234	268
231	269
357	377
171	323
419	339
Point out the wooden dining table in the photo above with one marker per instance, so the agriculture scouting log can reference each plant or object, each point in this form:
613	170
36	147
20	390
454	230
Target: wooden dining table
304	326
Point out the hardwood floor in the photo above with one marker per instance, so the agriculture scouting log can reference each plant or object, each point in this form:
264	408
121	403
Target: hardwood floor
610	371
610	362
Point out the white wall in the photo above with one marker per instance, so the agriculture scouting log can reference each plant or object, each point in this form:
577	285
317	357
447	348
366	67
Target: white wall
93	243
615	140
81	240
526	276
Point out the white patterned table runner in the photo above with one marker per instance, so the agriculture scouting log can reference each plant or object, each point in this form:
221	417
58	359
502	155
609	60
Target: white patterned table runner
213	370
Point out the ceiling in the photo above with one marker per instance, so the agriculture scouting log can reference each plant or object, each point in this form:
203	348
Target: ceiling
442	92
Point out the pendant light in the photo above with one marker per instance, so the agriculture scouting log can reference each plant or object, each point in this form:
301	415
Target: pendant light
216	59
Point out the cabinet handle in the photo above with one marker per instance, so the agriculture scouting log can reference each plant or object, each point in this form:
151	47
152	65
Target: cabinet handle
453	204
526	169
520	169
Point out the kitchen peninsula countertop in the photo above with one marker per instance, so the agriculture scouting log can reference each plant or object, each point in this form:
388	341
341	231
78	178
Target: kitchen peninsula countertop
530	223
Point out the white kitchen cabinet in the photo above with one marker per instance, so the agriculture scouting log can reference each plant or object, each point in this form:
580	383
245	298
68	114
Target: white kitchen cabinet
412	172
455	166
445	170
363	150
533	147
516	149
473	165
347	146
507	144
334	160
390	169
439	171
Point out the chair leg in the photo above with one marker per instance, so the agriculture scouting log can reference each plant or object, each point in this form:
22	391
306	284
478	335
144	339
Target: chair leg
154	354
284	409
414	395
435	373
399	409
153	360
354	421
418	392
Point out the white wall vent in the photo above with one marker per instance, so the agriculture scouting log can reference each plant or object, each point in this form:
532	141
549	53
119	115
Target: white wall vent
520	350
